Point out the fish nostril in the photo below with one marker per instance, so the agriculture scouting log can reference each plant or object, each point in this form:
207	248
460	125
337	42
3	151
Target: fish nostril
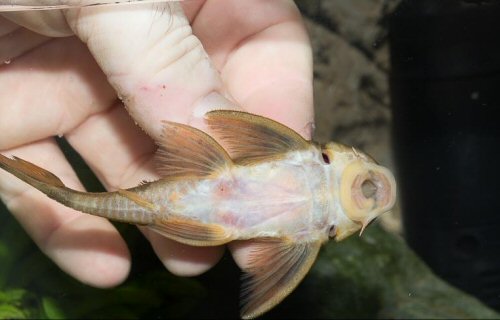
332	233
368	188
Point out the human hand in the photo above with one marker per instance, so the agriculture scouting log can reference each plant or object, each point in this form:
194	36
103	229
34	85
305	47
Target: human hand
251	54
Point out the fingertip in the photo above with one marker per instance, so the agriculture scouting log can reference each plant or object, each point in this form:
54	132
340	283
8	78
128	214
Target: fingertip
91	250
183	260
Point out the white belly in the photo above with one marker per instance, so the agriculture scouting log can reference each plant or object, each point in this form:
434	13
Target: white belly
280	198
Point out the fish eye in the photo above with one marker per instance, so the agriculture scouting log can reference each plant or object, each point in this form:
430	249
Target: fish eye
332	232
326	158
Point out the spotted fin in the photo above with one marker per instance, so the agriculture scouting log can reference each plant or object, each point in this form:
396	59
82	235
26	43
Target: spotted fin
251	138
276	267
188	152
192	232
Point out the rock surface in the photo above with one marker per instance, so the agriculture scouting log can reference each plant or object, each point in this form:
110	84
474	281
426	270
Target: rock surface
351	64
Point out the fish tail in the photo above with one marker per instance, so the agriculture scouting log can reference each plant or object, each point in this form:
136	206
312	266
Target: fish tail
118	206
37	177
30	173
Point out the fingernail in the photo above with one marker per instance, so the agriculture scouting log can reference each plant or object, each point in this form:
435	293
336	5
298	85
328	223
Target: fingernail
309	129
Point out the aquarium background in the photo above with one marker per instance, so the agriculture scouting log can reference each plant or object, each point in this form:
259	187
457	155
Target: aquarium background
376	275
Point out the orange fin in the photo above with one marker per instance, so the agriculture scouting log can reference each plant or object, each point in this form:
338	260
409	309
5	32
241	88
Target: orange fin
28	172
192	232
251	138
276	267
188	152
137	199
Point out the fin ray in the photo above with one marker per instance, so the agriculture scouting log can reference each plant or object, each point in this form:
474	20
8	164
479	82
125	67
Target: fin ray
25	171
276	267
188	152
192	232
252	138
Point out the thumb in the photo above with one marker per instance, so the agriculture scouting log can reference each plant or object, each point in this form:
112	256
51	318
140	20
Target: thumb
152	59
149	54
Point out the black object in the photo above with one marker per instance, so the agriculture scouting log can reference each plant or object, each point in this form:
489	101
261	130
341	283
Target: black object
445	90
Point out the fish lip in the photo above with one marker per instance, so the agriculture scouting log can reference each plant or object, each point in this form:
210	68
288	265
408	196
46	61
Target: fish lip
389	186
385	188
362	206
383	197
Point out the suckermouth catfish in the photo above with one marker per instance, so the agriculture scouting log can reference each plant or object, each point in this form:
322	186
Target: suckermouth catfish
271	185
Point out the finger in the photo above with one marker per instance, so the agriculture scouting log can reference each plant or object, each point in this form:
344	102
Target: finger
48	91
116	150
7	27
88	248
50	23
181	259
158	67
266	62
15	41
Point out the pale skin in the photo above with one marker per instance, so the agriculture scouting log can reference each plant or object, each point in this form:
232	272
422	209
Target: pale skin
261	63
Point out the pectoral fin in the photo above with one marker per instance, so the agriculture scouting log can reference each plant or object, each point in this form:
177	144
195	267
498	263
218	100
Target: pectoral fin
251	138
188	152
192	232
276	267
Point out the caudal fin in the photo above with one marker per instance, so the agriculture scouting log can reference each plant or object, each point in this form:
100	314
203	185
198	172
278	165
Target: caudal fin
28	172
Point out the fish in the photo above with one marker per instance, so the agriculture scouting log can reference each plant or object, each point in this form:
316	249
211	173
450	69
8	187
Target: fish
267	184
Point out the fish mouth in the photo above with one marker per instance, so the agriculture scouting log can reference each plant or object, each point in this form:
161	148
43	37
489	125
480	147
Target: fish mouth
367	190
373	185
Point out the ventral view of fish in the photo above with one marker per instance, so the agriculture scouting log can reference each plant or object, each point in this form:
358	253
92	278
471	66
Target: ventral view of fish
270	185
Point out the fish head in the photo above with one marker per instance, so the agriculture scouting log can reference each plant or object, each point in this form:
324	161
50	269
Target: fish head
363	189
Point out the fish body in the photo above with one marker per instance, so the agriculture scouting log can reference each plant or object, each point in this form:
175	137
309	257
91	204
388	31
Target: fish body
269	199
269	184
